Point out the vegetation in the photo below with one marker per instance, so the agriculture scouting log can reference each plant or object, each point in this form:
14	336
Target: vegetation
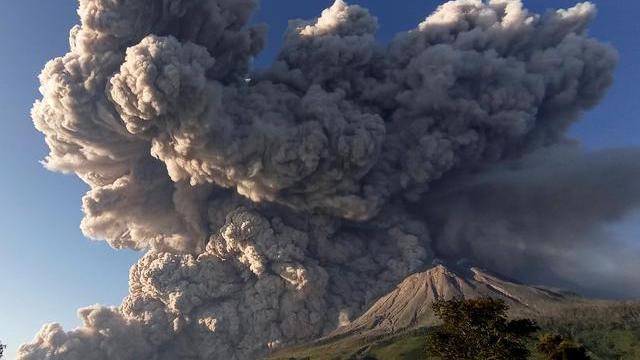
478	329
607	331
556	347
2	347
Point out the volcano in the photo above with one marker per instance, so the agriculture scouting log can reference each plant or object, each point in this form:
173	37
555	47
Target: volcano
409	304
404	315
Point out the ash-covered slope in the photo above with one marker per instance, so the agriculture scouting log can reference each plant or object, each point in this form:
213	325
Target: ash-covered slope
395	324
409	305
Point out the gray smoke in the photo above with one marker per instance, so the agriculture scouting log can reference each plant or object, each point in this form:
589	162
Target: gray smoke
545	218
276	205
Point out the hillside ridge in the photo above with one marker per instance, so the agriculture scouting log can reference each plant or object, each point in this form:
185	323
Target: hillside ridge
409	304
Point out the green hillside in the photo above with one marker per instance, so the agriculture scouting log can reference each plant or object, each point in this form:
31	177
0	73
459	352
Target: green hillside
609	330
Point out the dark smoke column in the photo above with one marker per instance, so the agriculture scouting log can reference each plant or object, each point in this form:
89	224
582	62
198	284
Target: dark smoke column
275	209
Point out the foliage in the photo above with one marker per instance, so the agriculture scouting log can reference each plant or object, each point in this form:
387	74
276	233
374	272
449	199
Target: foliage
478	329
609	330
556	347
2	347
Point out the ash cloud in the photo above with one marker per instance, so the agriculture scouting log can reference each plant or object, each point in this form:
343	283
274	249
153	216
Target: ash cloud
545	218
275	205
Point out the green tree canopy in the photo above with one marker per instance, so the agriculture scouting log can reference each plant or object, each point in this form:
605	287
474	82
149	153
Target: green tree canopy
478	329
556	347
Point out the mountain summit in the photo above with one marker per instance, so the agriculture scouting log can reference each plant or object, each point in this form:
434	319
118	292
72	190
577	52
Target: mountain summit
409	304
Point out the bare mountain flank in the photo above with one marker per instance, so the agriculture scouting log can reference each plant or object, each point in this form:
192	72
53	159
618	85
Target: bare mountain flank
409	304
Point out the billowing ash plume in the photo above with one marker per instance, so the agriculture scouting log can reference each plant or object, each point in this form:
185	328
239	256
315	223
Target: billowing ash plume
275	205
544	218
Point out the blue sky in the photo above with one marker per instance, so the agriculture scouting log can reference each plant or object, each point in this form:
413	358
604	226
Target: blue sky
49	269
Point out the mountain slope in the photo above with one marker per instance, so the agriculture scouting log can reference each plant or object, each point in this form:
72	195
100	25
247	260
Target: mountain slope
409	305
397	322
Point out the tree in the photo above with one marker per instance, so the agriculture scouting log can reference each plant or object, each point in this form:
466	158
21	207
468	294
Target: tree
2	347
478	329
556	347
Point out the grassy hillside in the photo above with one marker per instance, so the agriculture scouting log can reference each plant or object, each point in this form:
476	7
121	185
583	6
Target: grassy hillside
610	330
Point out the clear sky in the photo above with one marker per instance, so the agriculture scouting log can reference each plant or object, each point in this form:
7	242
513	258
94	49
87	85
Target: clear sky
49	269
